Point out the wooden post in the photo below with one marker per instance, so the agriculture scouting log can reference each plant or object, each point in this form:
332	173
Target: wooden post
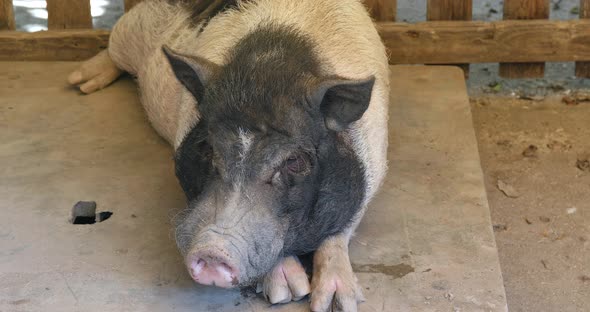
583	68
382	10
68	14
450	10
6	15
524	9
130	3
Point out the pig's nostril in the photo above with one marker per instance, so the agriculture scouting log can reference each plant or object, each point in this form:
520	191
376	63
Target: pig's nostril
225	270
196	267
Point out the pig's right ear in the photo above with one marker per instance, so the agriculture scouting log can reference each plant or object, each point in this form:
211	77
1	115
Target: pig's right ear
342	101
193	72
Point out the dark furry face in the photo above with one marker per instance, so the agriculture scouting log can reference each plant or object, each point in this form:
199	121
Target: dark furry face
270	161
274	148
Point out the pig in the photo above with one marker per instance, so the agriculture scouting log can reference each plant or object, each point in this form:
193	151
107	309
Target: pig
277	114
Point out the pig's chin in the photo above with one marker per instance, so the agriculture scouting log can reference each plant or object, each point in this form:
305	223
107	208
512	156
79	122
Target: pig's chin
256	274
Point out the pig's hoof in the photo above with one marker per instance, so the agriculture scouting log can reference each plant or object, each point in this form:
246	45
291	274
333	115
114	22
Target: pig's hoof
95	73
287	281
334	288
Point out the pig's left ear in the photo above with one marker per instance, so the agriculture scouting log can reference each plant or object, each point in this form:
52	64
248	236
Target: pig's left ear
193	72
342	101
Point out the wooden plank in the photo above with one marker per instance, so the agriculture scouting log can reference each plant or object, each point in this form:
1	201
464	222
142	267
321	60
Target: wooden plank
64	45
382	10
450	10
444	42
130	4
6	15
518	10
68	14
449	42
583	68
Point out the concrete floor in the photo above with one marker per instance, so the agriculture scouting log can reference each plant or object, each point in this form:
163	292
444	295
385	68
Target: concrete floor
426	243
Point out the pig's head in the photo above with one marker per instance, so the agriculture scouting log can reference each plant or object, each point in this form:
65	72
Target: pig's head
267	170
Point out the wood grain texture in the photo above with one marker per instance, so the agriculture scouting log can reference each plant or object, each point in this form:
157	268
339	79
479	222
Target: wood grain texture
450	10
583	68
7	15
449	42
64	45
68	14
130	4
526	9
382	10
518	10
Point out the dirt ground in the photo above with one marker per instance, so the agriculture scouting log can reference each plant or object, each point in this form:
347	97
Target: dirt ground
537	152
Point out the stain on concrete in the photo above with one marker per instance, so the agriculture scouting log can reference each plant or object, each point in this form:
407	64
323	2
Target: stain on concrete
214	307
396	270
122	251
19	302
6	236
441	285
14	251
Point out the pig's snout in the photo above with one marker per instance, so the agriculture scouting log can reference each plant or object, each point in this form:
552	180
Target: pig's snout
212	267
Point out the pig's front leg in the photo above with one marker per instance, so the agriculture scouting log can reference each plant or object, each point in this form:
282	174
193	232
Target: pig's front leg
334	286
286	282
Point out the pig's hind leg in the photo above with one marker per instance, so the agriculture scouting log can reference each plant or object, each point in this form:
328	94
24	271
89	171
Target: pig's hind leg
286	282
95	73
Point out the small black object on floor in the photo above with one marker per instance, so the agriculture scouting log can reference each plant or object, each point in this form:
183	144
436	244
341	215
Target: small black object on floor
84	212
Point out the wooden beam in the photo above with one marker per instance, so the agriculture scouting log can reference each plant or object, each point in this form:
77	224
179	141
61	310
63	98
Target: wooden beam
449	42
518	10
450	10
583	68
130	4
444	42
6	15
382	10
68	14
65	45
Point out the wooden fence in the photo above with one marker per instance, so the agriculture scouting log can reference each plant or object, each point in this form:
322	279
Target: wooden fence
522	42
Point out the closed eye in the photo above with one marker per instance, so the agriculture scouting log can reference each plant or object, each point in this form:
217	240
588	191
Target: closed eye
299	164
296	164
